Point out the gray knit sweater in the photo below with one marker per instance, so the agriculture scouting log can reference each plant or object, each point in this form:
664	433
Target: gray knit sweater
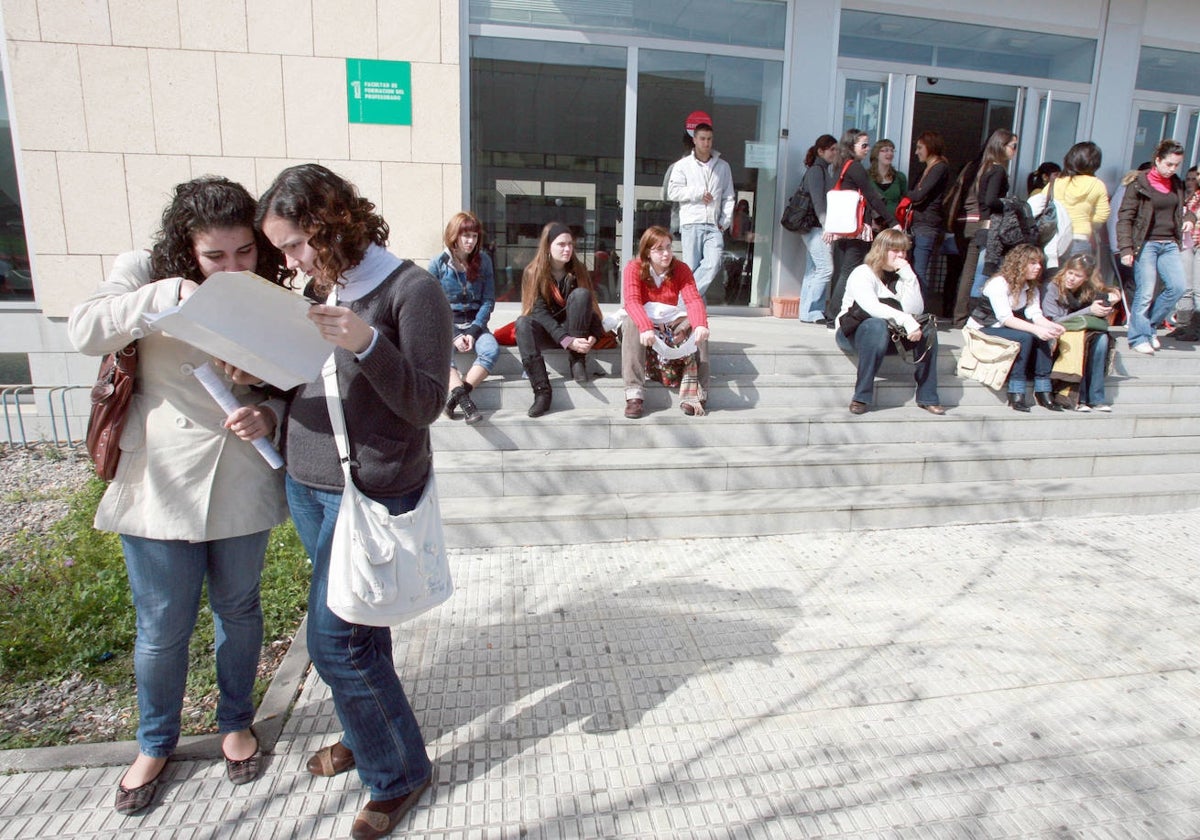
389	398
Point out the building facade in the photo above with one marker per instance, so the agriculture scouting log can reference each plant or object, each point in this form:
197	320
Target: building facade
532	110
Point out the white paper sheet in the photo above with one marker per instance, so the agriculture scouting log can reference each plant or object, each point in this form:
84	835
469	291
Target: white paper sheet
220	392
250	322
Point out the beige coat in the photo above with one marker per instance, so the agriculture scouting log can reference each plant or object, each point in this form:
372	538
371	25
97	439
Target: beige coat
182	475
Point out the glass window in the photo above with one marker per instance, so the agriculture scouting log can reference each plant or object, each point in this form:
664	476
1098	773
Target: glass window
761	23
1169	71
863	107
743	98
1152	127
16	283
547	140
965	46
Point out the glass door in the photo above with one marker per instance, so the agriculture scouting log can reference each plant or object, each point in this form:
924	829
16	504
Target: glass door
743	97
1057	127
1152	125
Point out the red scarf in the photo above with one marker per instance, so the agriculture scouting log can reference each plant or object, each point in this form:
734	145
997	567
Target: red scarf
1159	182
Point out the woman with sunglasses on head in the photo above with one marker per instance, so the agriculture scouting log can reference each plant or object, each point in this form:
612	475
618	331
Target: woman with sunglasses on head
984	199
849	249
389	329
192	501
884	292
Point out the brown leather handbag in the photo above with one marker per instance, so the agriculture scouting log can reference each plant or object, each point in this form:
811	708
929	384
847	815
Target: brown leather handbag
111	396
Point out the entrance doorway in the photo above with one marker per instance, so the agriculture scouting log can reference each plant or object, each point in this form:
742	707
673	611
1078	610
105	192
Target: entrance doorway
963	121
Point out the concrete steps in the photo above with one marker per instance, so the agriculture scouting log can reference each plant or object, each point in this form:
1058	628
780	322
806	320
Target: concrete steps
779	453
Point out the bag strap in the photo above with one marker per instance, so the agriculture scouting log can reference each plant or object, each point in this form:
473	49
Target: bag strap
333	401
1049	205
845	166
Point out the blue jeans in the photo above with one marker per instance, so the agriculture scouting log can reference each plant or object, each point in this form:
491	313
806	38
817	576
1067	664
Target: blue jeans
1091	390
355	661
1158	259
871	343
1034	358
818	271
166	577
702	247
487	350
923	248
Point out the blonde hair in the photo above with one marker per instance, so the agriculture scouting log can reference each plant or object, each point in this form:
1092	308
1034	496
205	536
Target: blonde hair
886	240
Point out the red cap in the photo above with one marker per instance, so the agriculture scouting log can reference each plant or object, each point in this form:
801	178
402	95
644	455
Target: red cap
694	119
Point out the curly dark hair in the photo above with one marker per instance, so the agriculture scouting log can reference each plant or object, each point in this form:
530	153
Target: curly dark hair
205	204
340	223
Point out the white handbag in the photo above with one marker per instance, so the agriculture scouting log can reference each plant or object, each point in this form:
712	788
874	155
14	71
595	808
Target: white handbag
383	569
844	209
986	358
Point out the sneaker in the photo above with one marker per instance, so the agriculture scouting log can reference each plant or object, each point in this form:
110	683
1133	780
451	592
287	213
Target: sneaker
1145	349
1107	409
1155	343
1083	408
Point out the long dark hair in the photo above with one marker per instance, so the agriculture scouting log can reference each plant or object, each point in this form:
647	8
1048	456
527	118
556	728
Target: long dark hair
1082	159
820	145
538	280
201	205
994	153
340	223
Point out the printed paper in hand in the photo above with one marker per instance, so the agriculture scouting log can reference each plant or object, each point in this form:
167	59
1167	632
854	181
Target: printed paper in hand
250	322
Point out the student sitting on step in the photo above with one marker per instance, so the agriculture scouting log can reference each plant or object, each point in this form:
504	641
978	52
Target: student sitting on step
1077	298
884	293
656	333
558	309
1010	307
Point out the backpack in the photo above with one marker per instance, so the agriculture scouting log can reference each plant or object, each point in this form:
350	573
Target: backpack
799	215
1016	227
1047	220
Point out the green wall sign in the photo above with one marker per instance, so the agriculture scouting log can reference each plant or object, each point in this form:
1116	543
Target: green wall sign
379	91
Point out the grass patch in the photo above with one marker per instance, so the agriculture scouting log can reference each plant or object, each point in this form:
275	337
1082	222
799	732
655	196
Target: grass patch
66	609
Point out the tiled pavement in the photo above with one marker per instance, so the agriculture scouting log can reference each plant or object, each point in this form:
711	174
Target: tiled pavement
1001	681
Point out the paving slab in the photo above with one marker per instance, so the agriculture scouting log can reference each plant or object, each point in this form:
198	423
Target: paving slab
983	681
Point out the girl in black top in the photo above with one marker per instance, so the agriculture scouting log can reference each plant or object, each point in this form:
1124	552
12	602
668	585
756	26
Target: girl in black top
984	199
928	220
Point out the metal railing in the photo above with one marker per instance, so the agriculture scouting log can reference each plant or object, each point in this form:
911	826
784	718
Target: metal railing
11	404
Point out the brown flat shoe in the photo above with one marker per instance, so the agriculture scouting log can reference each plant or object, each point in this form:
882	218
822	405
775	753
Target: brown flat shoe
933	409
371	824
331	760
633	409
134	800
245	770
857	407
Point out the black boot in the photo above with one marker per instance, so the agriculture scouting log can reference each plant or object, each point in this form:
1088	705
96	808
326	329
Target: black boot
1017	402
1046	401
456	394
540	381
470	410
578	367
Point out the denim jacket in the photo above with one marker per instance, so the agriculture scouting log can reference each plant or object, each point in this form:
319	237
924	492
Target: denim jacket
469	302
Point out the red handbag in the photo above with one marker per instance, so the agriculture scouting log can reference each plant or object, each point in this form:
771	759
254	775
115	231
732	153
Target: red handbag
111	396
904	212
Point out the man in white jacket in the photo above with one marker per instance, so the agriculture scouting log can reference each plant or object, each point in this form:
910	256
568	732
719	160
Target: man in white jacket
702	184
